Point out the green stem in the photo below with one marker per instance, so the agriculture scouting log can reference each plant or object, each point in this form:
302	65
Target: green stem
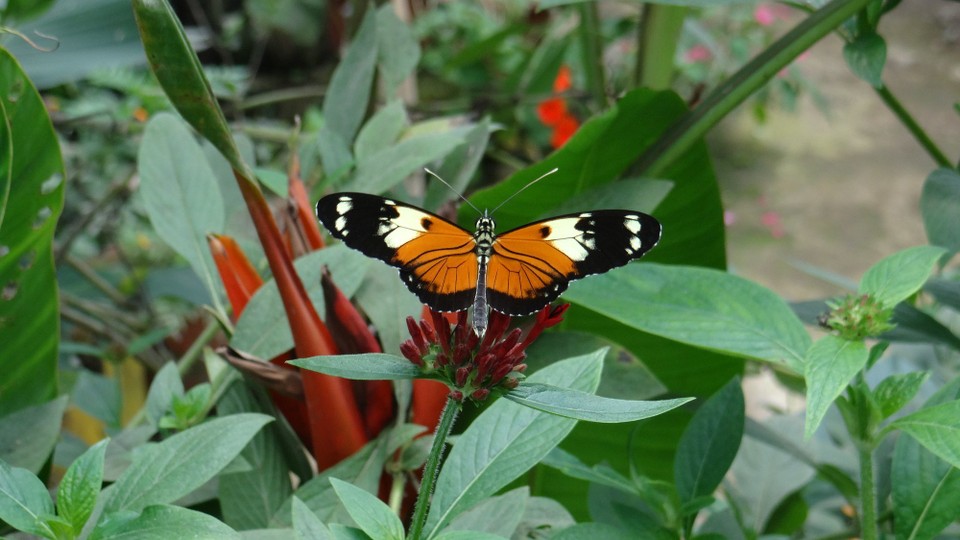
691	128
432	468
657	37
868	494
913	127
591	48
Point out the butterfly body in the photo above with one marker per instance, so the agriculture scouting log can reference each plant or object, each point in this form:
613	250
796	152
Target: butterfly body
515	273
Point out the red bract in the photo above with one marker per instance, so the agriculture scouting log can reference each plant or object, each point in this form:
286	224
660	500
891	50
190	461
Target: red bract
471	367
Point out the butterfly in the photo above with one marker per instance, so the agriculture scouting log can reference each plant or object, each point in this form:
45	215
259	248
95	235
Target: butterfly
516	272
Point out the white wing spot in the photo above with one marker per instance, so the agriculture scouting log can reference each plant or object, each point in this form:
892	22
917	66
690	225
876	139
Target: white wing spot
590	243
344	206
632	224
389	202
585	215
341	223
635	243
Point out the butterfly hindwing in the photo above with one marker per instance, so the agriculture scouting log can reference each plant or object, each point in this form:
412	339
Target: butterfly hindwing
436	258
531	265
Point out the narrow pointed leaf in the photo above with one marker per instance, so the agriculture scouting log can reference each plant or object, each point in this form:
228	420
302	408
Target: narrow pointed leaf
369	512
81	485
361	367
584	406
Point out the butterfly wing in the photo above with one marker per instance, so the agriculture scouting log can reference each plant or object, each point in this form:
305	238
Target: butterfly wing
437	259
531	265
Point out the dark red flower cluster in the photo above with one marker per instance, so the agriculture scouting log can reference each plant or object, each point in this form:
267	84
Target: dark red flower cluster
472	367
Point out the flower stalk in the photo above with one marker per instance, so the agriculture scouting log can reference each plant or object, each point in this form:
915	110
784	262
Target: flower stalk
432	467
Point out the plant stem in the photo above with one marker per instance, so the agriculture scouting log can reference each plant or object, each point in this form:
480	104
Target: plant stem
868	495
913	127
432	468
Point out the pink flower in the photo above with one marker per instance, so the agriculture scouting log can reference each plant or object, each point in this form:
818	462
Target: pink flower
698	53
771	220
764	15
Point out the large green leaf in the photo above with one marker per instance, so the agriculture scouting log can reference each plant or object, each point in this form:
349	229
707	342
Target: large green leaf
896	277
345	103
698	306
23	499
505	441
937	428
601	151
940	206
370	513
398	50
90	35
31	170
164	472
162	522
80	487
925	488
180	193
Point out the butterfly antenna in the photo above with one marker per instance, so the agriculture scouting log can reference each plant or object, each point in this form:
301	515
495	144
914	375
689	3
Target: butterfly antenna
437	176
541	177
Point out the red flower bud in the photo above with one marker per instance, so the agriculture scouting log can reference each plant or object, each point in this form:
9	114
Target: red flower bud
480	394
410	352
462	374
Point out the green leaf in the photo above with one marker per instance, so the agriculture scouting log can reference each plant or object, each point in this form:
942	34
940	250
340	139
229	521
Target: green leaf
598	531
263	331
31	198
459	166
505	441
385	169
898	276
162	522
334	154
361	367
585	406
93	36
602	474
295	20
940	207
99	397
925	488
28	436
18	10
347	96
830	365
180	193
381	131
249	499
180	73
897	390
398	50
703	307
362	469
370	513
865	56
467	535
23	499
508	509
388	303
80	486
164	472
709	443
306	524
937	428
165	387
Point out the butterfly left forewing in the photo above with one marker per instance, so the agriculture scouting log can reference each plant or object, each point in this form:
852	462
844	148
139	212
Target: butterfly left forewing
436	258
531	265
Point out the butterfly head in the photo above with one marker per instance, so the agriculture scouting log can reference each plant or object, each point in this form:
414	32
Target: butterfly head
485	224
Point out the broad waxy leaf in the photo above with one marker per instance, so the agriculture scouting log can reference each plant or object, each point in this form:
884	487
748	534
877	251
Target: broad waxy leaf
370	513
381	131
895	278
398	49
306	524
508	509
940	206
347	96
710	443
585	406
702	307
31	198
830	364
81	485
23	499
361	367
505	441
925	488
164	472
28	436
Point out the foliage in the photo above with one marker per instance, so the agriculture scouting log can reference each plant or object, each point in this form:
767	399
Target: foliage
188	256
